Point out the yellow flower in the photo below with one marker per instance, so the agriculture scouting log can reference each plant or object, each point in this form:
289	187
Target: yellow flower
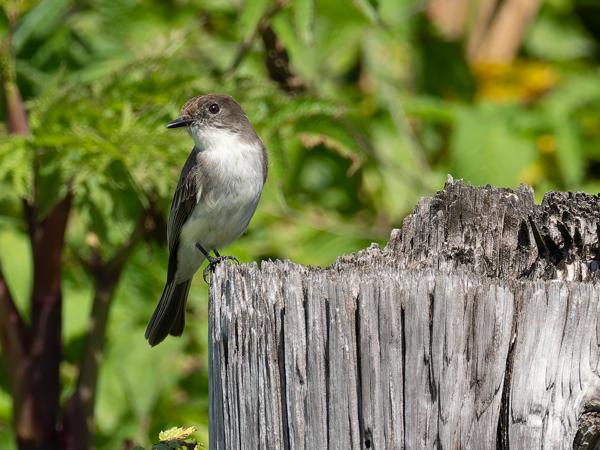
519	80
176	433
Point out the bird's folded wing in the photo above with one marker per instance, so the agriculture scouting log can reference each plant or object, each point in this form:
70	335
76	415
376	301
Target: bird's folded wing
184	201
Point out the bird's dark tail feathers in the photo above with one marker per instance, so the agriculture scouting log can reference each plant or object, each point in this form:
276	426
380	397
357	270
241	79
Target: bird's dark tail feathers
169	315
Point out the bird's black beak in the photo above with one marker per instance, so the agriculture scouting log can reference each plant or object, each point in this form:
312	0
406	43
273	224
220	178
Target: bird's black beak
179	122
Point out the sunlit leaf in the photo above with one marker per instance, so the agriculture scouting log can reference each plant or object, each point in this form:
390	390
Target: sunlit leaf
176	433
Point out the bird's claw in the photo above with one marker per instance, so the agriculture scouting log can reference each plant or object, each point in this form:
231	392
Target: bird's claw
229	258
214	262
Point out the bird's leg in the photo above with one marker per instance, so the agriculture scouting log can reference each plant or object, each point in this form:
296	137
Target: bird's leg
212	262
206	254
222	258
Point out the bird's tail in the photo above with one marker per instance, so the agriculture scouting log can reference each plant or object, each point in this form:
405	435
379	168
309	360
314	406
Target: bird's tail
169	315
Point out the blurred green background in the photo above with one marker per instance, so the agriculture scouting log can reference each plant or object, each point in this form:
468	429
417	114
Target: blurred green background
364	107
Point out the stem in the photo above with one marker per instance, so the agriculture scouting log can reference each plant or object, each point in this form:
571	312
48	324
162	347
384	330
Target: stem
13	331
14	340
15	109
36	397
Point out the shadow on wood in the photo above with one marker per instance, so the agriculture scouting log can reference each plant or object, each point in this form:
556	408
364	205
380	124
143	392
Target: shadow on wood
476	327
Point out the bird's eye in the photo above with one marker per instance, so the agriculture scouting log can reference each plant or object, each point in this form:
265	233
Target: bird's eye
214	108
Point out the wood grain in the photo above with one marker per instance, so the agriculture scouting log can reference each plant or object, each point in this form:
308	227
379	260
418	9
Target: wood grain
476	327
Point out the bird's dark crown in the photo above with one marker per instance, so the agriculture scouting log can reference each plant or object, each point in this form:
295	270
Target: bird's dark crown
217	111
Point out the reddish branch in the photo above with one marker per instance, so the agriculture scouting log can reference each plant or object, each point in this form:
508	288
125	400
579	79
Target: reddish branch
32	354
13	331
37	414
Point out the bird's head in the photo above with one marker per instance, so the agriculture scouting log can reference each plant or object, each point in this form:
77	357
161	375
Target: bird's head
208	116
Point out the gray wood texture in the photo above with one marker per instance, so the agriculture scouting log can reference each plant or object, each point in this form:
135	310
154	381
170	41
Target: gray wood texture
475	327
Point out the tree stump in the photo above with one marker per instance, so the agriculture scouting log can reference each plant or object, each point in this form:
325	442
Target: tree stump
475	327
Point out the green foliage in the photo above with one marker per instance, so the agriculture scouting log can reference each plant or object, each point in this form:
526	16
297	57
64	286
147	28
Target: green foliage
177	438
387	107
506	153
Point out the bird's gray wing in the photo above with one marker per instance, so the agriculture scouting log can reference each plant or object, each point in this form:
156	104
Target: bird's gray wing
168	317
184	201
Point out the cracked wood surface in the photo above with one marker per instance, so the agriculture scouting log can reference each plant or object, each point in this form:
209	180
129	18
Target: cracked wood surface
476	327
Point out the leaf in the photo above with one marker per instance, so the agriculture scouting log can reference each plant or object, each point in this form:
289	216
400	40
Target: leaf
163	446
568	150
542	40
302	108
561	110
3	23
486	149
39	20
430	109
302	57
333	135
177	433
367	9
304	19
252	12
16	175
16	261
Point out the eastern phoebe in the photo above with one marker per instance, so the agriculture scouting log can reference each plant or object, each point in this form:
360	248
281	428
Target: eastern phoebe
216	196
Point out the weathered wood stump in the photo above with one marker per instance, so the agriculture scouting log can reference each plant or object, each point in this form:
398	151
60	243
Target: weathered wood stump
476	327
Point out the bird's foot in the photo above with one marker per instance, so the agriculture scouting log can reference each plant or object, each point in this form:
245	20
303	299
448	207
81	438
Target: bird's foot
214	262
226	257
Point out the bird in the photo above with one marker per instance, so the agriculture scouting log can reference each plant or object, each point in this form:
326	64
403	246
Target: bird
217	194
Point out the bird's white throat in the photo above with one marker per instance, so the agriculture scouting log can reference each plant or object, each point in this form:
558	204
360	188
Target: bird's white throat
230	157
207	139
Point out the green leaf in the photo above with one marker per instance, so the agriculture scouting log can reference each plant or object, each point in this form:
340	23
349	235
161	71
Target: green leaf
3	23
568	150
304	19
16	174
302	108
333	135
302	56
430	109
485	148
252	12
177	433
367	9
163	446
39	21
542	40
